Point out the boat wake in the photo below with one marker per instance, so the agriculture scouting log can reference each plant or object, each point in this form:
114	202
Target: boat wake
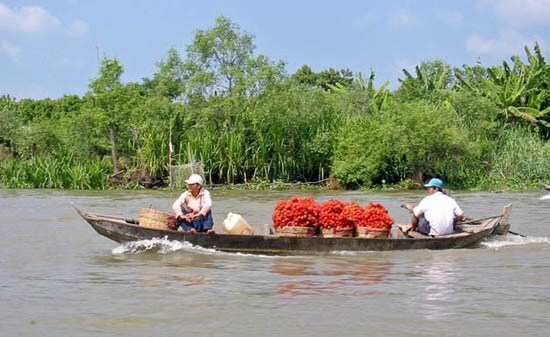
161	246
513	240
165	246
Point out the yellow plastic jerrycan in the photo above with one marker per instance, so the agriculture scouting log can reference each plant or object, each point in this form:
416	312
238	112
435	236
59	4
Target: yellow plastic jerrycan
236	224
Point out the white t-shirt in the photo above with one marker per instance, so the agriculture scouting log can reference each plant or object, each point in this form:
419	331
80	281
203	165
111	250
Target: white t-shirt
440	211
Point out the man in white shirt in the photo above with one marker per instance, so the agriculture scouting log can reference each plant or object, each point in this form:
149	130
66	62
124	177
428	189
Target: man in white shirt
437	213
193	207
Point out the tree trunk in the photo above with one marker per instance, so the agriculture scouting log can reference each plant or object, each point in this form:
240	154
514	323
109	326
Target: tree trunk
114	154
419	177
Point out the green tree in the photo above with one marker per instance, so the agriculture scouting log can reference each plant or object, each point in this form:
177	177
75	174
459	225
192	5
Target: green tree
217	58
220	62
407	140
9	123
113	105
305	75
261	75
169	80
326	79
330	77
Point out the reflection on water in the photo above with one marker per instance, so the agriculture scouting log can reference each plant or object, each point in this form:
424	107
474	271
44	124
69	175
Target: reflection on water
438	279
335	277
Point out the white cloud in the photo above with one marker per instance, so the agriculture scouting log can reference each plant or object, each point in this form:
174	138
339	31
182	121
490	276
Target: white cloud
28	19
450	18
11	50
77	28
508	43
401	18
35	20
521	12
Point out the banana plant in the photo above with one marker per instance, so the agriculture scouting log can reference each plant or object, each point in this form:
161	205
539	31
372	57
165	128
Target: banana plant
380	98
520	90
429	78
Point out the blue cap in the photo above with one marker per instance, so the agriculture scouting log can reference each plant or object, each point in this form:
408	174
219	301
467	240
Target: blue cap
434	182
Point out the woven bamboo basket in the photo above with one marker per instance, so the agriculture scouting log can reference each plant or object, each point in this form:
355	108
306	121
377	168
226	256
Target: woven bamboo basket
295	231
372	232
337	232
152	218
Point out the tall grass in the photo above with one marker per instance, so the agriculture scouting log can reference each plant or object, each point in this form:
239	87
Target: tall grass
282	135
53	172
518	159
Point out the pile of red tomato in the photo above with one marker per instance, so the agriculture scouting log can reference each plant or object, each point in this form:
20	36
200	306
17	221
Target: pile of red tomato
297	211
374	215
305	212
336	214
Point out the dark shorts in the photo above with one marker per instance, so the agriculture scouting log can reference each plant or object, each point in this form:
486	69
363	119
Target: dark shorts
423	226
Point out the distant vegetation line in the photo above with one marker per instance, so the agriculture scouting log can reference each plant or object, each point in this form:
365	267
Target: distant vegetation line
248	121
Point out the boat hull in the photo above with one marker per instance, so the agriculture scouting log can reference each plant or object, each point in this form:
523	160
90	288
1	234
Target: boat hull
126	230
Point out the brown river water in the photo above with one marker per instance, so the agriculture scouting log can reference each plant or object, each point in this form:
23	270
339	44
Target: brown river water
60	278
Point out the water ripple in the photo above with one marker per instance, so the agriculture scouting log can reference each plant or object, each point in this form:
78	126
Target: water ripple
515	240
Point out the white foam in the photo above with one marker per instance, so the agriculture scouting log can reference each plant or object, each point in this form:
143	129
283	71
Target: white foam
344	252
162	245
514	240
545	197
165	246
251	254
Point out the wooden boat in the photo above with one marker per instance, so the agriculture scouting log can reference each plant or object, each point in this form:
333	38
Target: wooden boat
468	234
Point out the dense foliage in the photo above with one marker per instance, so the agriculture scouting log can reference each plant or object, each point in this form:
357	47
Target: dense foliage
247	120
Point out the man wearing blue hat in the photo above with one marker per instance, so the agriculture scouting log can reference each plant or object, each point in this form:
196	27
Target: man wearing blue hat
437	213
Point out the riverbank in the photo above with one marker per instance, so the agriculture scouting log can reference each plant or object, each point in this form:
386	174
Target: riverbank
297	186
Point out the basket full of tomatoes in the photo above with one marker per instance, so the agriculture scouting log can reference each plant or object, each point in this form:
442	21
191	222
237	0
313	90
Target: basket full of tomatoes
373	221
335	218
298	216
302	216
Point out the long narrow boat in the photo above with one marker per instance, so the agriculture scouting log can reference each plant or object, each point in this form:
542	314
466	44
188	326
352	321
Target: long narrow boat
467	235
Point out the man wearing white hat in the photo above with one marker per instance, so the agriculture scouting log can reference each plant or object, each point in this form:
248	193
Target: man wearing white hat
193	207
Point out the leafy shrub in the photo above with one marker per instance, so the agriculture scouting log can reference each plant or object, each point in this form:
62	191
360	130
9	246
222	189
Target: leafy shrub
407	140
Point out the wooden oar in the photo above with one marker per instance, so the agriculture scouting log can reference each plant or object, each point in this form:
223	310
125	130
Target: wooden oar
518	234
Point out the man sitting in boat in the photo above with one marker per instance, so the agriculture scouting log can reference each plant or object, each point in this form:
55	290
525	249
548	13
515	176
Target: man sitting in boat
193	207
436	214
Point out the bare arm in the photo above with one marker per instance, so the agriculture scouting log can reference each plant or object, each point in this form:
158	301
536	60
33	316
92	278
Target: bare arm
176	206
207	204
414	222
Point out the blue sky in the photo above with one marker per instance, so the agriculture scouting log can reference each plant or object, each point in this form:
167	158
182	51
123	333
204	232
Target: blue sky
50	48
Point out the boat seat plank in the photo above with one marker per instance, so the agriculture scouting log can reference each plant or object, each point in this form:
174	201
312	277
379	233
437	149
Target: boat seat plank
417	235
